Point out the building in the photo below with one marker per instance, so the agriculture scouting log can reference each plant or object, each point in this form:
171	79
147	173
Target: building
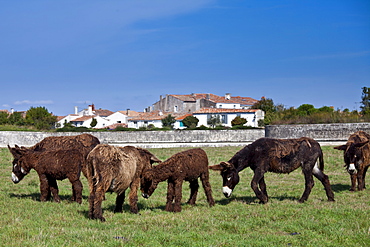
194	102
227	115
104	118
146	119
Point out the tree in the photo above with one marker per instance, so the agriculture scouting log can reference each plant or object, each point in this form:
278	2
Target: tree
306	109
190	122
3	117
16	119
238	121
365	101
40	118
214	121
93	123
168	121
266	105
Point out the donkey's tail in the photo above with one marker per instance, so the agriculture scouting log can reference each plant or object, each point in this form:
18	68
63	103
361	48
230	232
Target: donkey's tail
321	160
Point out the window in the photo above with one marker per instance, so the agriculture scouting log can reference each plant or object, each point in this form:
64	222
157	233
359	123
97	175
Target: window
175	108
224	119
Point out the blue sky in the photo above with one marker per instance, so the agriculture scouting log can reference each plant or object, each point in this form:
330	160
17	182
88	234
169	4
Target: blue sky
124	54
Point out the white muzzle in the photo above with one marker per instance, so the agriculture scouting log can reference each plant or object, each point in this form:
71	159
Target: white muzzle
352	169
227	191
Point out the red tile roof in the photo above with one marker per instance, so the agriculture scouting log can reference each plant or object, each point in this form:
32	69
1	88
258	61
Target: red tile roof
215	98
222	110
82	119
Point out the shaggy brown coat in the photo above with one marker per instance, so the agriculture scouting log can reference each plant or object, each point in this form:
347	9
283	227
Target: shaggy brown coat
279	156
83	143
189	166
114	169
357	158
50	166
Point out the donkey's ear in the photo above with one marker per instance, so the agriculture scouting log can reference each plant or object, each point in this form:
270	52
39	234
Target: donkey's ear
341	147
226	165
216	168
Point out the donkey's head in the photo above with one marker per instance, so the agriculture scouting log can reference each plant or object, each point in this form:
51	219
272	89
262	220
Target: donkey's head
230	177
20	168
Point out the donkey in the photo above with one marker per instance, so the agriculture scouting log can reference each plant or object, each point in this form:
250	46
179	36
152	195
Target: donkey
188	165
279	156
357	158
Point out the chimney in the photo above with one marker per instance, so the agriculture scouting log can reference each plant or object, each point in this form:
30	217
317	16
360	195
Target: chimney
128	111
12	110
76	110
228	96
208	96
90	110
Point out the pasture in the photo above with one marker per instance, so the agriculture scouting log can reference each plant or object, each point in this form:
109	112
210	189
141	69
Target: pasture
237	221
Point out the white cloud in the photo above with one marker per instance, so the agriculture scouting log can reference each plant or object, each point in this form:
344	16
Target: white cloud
36	102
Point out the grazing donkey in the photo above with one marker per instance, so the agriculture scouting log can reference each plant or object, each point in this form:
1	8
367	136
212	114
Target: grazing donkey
189	166
279	156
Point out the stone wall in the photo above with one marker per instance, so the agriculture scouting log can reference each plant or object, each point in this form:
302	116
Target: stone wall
147	139
326	134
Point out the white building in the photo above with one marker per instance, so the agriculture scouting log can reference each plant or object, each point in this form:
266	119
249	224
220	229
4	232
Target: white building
104	118
227	115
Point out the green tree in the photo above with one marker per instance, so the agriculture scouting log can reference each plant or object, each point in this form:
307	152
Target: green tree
365	101
16	119
168	121
40	118
306	109
214	120
190	122
3	117
238	121
93	123
266	105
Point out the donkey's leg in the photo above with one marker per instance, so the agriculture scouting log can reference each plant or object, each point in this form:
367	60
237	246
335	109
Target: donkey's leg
170	195
119	202
258	175
365	170
309	183
178	195
193	191
207	188
353	182
133	195
76	188
44	188
262	186
54	188
97	202
360	179
324	179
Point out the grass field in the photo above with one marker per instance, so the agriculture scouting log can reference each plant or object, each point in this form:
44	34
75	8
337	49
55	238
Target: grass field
237	221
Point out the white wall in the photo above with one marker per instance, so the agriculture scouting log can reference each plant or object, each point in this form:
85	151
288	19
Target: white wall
251	117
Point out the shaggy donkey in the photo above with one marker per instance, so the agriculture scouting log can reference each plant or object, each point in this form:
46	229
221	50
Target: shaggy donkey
357	158
50	166
279	156
114	169
189	166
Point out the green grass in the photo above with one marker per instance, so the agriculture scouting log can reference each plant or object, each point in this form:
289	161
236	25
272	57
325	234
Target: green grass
238	221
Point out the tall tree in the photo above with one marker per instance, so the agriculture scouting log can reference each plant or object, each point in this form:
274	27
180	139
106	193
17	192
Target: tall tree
365	101
40	118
